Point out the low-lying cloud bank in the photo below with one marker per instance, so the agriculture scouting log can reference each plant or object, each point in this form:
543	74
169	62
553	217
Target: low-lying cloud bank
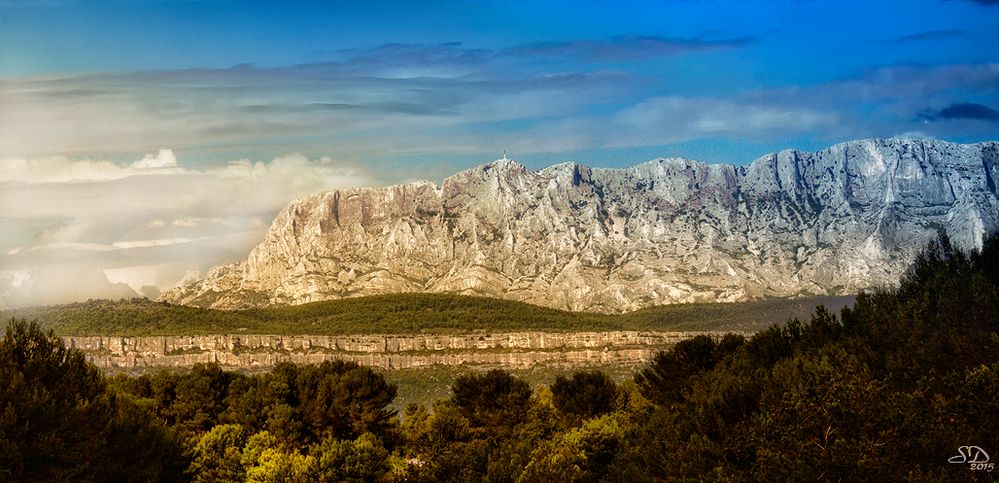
78	229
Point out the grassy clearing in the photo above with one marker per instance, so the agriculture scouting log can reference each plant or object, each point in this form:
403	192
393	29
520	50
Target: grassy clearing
428	384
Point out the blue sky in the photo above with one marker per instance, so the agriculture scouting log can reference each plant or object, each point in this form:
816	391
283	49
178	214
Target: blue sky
450	83
142	142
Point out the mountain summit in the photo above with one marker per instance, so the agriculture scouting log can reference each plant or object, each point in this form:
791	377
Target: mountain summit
846	218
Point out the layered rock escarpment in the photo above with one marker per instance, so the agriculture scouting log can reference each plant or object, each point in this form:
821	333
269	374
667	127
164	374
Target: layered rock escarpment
511	350
832	222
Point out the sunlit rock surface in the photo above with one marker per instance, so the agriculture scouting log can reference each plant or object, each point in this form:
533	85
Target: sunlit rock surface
510	350
832	222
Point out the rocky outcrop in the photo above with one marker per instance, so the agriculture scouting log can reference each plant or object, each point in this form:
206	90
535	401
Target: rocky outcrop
511	350
846	218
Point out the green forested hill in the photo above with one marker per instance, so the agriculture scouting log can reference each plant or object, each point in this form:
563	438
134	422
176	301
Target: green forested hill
404	313
898	387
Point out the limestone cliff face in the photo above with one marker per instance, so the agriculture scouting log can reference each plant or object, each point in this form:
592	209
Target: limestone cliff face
511	350
836	221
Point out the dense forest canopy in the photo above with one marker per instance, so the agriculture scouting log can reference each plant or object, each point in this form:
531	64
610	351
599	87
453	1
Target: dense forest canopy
889	389
403	313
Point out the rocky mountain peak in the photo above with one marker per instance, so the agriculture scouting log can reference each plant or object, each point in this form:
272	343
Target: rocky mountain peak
846	218
500	168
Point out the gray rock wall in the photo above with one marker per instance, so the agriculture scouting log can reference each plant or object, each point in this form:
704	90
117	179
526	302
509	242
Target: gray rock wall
511	350
831	222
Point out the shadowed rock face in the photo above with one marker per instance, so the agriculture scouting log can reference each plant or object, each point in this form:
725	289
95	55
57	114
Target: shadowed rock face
847	218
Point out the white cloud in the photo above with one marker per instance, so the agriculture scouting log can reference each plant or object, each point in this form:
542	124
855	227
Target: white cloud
190	276
78	246
673	119
915	135
59	169
326	105
98	216
18	278
163	159
151	243
138	276
198	221
681	119
55	285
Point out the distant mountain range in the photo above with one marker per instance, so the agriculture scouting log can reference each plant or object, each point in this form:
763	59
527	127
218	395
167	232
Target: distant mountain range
831	222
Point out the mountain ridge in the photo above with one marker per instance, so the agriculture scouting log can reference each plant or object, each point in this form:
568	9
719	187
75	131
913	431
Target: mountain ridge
668	230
